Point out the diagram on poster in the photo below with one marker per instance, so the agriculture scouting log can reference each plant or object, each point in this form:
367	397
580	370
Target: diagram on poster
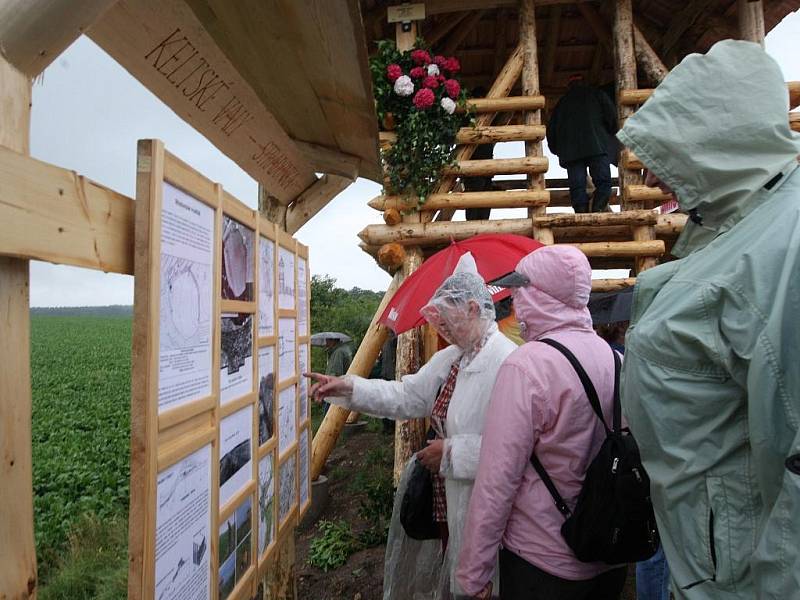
287	418
285	278
236	356
266	503
235	451
302	298
266	393
237	260
302	454
286	349
287	489
266	288
186	284
302	362
235	547
183	528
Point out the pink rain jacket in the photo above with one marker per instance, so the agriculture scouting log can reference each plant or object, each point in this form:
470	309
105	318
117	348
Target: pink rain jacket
538	402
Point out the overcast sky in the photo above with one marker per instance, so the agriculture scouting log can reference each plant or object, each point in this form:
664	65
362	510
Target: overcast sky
88	113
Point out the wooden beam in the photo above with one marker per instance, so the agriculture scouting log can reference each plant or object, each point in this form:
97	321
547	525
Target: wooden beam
553	32
500	39
52	214
313	200
649	60
330	160
622	249
459	200
682	22
751	20
445	26
437	7
499	166
510	104
644	194
461	33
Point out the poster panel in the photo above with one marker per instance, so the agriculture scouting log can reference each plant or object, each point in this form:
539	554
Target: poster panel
235	452
186	299
266	393
303	367
237	260
287	487
287	418
266	288
235	549
304	473
183	528
266	503
236	356
285	278
287	346
302	297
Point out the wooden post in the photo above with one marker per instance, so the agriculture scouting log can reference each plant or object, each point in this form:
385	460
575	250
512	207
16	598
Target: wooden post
751	20
653	66
17	552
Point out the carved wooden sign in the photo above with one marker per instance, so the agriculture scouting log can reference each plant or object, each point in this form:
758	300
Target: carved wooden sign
164	45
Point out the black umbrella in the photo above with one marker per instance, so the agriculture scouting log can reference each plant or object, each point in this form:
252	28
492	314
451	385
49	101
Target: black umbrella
611	307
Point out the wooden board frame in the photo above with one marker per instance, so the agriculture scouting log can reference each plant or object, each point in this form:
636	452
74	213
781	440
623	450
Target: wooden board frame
161	440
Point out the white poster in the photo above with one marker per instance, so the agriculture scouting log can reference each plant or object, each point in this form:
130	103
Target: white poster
266	503
287	489
266	290
287	345
236	356
237	260
235	547
235	452
302	362
302	453
187	290
287	419
302	298
266	393
285	278
183	529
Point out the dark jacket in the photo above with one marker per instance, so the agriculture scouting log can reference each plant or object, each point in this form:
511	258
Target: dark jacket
581	124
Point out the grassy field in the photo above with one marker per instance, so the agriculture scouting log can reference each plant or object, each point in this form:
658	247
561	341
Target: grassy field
80	368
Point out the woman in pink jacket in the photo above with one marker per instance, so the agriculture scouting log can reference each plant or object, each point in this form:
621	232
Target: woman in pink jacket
538	403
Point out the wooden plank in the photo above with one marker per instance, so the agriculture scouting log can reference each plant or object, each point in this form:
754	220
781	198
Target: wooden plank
52	214
238	210
313	200
185	177
437	7
164	45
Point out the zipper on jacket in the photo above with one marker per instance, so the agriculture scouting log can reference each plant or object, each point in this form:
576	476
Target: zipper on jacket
711	546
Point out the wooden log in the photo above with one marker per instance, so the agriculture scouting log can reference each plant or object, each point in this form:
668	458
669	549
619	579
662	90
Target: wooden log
671	224
794	94
313	200
392	216
499	166
633	218
622	249
18	578
640	194
612	285
392	256
628	160
510	104
794	121
363	361
648	59
502	133
438	232
530	87
544	235
460	200
644	233
751	20
500	39
635	97
271	208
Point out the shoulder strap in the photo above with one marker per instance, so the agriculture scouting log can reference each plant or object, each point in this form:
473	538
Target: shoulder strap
617	404
551	487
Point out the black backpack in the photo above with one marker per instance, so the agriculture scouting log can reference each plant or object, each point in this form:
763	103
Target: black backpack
613	520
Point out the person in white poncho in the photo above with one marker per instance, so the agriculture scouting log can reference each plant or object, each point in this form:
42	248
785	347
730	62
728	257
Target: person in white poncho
453	388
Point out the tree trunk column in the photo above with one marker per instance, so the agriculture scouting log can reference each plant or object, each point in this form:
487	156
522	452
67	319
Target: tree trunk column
751	20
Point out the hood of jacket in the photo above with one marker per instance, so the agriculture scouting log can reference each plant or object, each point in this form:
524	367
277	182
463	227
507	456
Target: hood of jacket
557	297
716	131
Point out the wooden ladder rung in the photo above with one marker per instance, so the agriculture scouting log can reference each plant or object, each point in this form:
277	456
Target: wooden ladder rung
622	249
459	200
612	285
508	104
499	166
500	133
643	193
630	217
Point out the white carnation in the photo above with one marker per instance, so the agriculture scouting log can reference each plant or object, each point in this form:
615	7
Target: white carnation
433	70
404	86
448	105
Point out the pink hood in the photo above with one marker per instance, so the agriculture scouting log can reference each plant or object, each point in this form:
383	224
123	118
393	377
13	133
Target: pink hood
557	298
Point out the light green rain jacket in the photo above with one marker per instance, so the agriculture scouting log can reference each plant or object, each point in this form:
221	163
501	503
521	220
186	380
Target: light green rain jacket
711	382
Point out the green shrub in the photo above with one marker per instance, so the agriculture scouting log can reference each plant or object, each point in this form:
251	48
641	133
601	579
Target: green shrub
334	545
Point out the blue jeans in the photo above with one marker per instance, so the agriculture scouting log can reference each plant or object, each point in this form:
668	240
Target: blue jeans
600	170
652	577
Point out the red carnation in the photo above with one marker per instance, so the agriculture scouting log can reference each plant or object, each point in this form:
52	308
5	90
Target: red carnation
440	78
418	72
430	82
439	60
394	72
420	57
452	65
452	88
424	99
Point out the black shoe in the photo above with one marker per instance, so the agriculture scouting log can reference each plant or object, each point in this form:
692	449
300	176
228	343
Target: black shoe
582	208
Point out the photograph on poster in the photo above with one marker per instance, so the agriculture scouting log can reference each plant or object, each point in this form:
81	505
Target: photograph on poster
302	298
266	503
183	528
302	367
266	288
236	356
235	451
287	489
266	393
287	418
302	454
187	291
285	278
287	345
235	550
237	260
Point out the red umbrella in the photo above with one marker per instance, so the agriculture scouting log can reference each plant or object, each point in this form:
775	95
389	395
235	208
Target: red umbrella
494	254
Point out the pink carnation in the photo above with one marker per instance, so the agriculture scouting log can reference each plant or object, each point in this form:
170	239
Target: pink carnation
418	72
452	88
452	65
394	72
430	82
420	57
439	60
424	99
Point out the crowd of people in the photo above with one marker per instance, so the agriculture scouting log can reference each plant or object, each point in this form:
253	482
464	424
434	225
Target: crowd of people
709	387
